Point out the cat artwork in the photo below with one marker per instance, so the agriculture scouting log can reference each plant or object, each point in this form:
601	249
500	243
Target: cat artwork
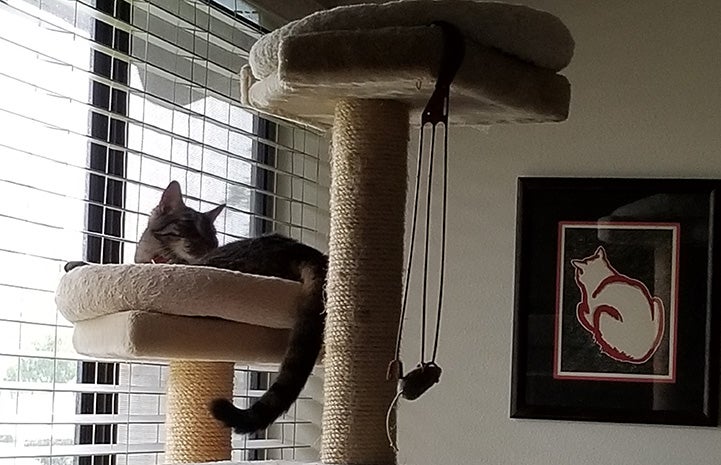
626	321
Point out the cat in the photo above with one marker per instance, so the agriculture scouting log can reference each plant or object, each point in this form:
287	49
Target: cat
624	319
179	234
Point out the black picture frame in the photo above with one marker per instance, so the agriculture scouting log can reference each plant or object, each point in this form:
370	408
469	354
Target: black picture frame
617	300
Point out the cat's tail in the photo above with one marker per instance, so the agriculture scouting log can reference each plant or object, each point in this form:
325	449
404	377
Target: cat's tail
304	345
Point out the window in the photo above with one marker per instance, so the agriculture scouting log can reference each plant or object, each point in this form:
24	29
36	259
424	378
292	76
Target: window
102	103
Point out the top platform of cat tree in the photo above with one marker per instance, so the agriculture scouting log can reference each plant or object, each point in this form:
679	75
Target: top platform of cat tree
391	51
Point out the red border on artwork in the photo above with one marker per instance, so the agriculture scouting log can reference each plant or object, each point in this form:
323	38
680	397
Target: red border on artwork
559	270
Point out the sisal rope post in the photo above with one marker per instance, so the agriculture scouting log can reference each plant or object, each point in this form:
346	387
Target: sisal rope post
192	434
365	274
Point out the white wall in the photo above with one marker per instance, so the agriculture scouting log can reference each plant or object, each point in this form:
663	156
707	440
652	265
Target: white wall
646	82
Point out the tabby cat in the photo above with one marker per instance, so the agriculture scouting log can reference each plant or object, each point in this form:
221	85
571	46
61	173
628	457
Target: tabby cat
178	234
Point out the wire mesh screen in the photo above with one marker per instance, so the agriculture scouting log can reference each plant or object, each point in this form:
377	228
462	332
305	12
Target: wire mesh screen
102	103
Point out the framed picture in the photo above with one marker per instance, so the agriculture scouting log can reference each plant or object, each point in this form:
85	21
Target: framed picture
617	300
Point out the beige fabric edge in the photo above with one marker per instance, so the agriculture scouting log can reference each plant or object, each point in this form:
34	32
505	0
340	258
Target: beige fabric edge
490	88
91	291
529	34
153	336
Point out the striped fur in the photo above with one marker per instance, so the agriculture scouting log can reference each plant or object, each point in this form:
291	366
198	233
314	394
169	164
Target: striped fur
303	348
179	234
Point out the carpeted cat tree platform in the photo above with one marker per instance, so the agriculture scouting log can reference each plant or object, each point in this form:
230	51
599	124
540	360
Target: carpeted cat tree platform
364	72
201	319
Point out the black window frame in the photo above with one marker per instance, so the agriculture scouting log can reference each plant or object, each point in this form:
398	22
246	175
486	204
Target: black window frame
104	209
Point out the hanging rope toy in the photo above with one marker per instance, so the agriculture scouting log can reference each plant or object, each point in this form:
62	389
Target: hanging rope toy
427	373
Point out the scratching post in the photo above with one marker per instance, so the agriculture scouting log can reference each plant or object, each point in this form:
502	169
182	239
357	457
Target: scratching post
192	434
365	72
367	204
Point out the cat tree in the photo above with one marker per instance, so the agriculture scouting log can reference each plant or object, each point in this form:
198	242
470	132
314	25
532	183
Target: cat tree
363	72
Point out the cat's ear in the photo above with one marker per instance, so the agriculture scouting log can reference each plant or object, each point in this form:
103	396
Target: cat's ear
213	214
172	198
577	263
601	252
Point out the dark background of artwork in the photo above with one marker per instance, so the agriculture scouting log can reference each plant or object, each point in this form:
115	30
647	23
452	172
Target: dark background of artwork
542	204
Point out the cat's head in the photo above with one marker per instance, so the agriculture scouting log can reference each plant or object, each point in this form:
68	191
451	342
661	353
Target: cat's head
593	268
176	233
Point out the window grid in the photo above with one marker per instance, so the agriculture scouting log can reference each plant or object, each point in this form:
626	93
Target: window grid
279	172
146	97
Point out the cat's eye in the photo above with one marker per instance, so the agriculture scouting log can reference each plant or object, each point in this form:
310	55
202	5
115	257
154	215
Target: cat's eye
166	234
169	230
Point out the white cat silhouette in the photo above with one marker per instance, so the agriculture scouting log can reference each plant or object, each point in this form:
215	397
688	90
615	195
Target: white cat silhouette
625	320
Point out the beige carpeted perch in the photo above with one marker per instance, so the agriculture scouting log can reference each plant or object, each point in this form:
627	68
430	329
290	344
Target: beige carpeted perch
366	72
177	312
389	51
201	319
